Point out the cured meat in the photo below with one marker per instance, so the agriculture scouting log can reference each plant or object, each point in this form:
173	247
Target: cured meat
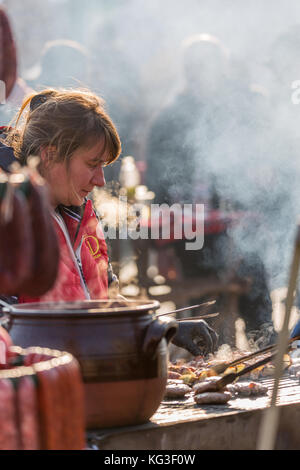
62	406
46	249
9	437
44	409
27	406
212	398
16	247
75	396
50	426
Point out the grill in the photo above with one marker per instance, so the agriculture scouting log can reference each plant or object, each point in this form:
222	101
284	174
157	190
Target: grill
170	410
183	425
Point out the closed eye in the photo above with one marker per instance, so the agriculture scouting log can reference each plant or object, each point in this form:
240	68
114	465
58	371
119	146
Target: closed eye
96	164
93	165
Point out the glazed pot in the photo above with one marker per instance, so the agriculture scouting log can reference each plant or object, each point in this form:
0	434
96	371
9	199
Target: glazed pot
121	347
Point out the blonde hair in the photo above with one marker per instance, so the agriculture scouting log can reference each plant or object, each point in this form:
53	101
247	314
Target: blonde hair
65	119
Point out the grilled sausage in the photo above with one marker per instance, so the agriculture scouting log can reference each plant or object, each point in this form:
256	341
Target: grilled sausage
212	398
176	390
208	385
248	389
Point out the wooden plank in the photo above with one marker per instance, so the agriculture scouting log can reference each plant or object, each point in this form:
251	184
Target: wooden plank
183	425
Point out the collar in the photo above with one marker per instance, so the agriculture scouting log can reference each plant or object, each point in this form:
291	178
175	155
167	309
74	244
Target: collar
7	157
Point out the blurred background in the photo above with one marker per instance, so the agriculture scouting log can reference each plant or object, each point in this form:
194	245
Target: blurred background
239	153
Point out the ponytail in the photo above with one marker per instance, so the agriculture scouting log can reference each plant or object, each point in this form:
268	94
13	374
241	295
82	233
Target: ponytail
24	105
13	136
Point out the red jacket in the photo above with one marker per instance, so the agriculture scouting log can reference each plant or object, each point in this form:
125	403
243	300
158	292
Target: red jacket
83	268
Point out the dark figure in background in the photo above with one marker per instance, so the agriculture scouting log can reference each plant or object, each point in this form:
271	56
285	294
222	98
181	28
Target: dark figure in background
196	154
64	63
283	142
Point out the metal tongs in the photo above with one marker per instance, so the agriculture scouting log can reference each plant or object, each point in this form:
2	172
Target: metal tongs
231	377
220	368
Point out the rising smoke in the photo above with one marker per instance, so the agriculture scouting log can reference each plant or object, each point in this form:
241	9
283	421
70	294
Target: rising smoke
136	66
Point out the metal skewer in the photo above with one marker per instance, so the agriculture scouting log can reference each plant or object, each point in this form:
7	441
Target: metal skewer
203	305
204	315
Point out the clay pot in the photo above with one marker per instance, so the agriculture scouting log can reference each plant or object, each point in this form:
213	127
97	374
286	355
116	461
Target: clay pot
120	346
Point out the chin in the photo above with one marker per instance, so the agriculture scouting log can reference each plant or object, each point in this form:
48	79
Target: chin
75	201
78	201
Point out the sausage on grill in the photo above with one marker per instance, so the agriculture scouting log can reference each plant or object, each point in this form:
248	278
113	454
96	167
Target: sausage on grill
208	385
176	390
248	389
212	398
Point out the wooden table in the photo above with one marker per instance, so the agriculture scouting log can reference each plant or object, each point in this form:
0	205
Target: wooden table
183	425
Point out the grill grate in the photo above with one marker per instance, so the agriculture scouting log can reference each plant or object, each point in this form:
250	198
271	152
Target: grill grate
174	410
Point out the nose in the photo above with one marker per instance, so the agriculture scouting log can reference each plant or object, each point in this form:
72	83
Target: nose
98	178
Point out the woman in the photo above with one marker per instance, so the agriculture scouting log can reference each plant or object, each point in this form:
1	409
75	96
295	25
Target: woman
75	138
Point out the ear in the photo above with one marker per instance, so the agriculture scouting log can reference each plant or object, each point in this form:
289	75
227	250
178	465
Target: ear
48	155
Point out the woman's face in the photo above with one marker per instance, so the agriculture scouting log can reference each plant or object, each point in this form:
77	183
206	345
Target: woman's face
70	185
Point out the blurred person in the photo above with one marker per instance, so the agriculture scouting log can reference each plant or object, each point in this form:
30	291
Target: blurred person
15	87
75	138
283	65
64	63
116	77
197	151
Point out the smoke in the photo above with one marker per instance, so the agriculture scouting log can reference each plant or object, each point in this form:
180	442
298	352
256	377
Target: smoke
251	150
